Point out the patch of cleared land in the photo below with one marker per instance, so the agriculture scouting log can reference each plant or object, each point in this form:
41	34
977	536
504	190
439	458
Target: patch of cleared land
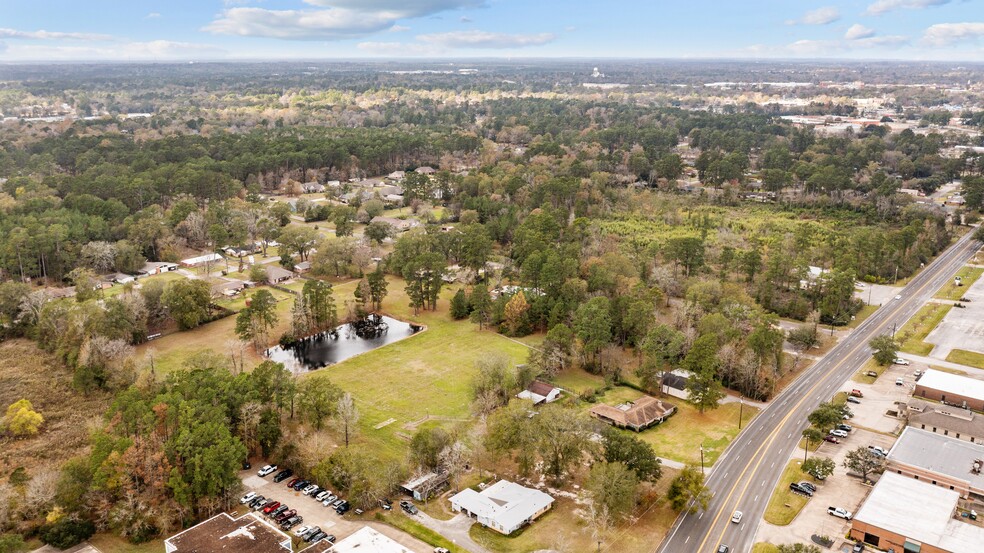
870	365
951	291
915	330
964	357
784	505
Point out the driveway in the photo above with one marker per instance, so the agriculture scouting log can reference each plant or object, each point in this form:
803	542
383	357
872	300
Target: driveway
315	514
455	530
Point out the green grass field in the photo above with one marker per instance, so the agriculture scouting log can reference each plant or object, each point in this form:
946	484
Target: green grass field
964	357
870	365
417	530
951	291
763	547
784	505
859	318
913	332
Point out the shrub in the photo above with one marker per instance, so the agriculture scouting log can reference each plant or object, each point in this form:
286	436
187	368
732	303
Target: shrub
67	533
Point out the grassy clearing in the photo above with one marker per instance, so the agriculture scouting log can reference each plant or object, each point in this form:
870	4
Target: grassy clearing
964	357
577	380
763	547
681	437
860	317
948	370
417	530
26	372
915	330
784	505
109	543
950	291
870	365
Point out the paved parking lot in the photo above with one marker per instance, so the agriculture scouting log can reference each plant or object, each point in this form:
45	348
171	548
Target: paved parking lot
881	397
961	328
315	514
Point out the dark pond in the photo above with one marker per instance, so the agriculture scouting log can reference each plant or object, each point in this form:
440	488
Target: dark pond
345	341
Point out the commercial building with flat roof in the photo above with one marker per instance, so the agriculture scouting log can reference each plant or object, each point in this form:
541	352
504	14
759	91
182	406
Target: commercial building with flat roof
939	460
951	389
367	540
504	506
246	534
906	515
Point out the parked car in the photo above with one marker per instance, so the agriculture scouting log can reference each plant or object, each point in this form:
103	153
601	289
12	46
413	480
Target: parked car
408	507
899	381
723	548
441	550
255	500
328	501
262	504
279	511
856	393
316	537
917	374
338	502
269	507
809	486
301	485
852	399
358	512
878	450
282	475
330	537
247	465
292	482
268	469
796	488
322	495
872	374
831	439
285	515
387	507
840	512
247	498
291	522
311	531
901	361
342	509
838	432
736	518
858	548
844	427
309	488
300	531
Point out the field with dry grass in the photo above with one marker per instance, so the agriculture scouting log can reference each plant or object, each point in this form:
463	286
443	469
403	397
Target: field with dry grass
26	372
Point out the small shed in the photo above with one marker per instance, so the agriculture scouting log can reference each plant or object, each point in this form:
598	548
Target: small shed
425	486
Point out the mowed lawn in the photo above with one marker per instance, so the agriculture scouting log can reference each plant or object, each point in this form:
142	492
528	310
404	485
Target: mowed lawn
913	332
950	291
964	357
681	437
784	505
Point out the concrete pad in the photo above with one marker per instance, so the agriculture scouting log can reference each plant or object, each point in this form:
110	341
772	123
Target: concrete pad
961	328
877	294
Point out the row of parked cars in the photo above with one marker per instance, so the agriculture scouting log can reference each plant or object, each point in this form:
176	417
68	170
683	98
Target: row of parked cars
281	514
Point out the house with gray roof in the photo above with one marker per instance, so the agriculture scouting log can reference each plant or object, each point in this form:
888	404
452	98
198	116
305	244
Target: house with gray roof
939	460
504	506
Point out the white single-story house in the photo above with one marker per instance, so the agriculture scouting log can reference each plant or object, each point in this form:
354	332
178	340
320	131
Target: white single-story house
302	267
156	268
368	540
397	175
201	260
425	170
122	278
540	392
312	187
399	225
504	506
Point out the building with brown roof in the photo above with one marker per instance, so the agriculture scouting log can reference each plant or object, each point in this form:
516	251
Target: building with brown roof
962	424
246	534
276	274
540	392
636	415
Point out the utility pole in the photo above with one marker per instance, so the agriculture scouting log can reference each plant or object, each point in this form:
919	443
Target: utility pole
741	405
702	458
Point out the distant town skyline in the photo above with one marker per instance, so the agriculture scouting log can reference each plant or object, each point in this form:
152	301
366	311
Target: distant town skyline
147	30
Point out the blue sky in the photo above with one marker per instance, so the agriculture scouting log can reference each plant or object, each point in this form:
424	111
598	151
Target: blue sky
949	30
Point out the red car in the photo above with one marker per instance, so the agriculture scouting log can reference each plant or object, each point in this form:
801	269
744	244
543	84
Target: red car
831	439
285	515
271	507
292	482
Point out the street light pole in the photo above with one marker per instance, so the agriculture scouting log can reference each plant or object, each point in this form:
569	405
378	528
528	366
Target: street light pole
702	459
741	405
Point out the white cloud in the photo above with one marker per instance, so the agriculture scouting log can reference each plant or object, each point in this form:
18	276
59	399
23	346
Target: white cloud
339	20
50	35
485	39
884	6
819	16
465	19
333	24
944	34
132	51
152	15
400	49
858	31
880	41
398	28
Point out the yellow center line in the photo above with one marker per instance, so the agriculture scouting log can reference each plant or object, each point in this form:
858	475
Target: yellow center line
756	460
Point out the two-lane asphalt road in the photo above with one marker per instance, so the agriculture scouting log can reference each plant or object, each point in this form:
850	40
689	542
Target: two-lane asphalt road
744	477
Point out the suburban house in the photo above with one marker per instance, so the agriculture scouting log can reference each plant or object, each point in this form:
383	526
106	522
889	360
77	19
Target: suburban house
276	274
425	170
951	389
423	487
302	267
247	534
906	515
962	424
202	260
504	506
399	225
367	540
312	187
939	460
674	383
397	175
637	415
228	288
122	278
156	268
540	392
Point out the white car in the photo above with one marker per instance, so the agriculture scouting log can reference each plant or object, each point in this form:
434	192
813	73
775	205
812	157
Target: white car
840	512
268	469
901	361
301	530
898	297
321	496
878	450
899	381
736	518
309	489
838	432
247	498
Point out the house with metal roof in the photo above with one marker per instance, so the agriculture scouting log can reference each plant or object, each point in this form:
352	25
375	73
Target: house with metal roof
636	415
